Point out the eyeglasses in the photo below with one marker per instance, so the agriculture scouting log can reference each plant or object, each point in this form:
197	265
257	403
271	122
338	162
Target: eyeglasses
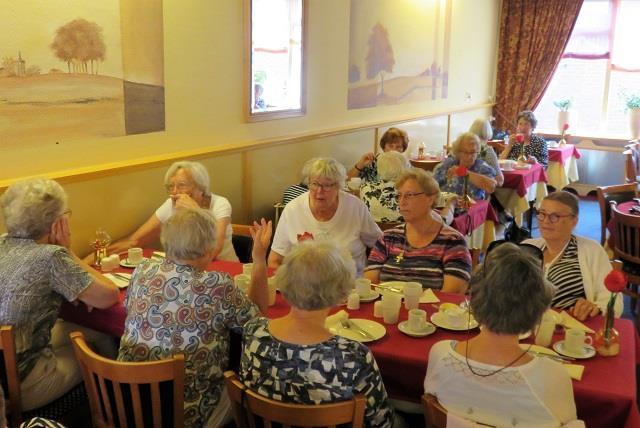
67	212
314	185
180	186
462	152
529	249
408	195
553	217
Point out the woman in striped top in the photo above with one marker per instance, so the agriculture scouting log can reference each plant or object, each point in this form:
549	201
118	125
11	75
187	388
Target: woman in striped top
576	266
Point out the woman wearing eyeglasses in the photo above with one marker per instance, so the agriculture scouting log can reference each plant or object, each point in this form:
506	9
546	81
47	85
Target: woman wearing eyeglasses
326	213
423	249
465	152
187	184
576	266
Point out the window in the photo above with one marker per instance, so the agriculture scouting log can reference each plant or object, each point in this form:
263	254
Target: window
599	67
275	74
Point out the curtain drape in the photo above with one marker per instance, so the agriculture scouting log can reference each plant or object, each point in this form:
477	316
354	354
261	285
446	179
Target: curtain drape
533	35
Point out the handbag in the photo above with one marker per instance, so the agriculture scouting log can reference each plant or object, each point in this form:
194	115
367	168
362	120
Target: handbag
516	234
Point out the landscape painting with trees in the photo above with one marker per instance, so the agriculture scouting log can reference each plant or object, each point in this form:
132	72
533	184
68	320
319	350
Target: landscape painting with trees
398	51
80	70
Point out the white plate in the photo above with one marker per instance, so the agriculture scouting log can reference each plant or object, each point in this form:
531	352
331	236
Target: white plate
373	295
118	279
588	351
426	331
525	166
375	329
440	320
125	263
396	285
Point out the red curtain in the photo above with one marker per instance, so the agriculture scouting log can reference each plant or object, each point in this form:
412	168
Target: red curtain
533	36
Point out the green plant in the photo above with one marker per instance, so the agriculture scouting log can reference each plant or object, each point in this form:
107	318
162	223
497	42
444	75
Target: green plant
631	101
563	104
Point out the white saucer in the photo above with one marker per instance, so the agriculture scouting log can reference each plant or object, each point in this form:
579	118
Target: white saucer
375	329
373	295
588	351
525	166
426	331
125	263
524	336
440	320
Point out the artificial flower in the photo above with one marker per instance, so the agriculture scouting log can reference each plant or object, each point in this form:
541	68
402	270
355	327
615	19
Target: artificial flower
615	281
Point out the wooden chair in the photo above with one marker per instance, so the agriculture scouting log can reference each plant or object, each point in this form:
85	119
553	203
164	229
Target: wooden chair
9	376
131	394
632	161
242	242
248	404
606	194
435	416
627	246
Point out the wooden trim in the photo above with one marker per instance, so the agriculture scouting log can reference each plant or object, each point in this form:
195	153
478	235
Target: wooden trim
130	165
247	188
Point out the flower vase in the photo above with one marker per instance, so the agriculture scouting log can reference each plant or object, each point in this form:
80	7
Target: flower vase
606	343
465	200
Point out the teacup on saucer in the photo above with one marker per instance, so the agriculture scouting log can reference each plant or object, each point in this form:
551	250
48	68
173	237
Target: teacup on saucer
426	329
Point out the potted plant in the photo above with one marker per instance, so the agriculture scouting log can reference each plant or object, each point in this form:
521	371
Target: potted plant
563	105
632	104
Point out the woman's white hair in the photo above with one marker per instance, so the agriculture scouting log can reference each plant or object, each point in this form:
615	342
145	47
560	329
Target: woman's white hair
196	170
31	206
466	138
315	275
391	165
189	234
482	128
328	168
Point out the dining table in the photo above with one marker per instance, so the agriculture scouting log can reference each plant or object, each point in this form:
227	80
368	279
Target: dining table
563	165
605	396
522	189
428	163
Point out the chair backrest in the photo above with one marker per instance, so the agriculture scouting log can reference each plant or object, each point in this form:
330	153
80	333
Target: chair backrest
435	416
9	379
131	394
631	163
606	194
248	404
242	242
627	233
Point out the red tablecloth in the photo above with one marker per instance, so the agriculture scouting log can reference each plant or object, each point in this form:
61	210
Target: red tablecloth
561	154
522	179
479	212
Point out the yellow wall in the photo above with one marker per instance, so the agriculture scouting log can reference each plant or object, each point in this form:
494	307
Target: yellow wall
204	85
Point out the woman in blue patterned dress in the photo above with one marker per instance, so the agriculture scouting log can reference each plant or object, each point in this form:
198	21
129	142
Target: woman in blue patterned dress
176	306
312	365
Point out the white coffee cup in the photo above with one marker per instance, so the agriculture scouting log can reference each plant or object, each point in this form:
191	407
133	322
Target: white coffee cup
412	292
134	255
455	317
354	183
271	283
391	307
242	281
575	340
417	319
363	287
545	330
247	269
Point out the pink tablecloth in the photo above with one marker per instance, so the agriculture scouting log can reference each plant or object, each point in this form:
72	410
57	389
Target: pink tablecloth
561	154
522	179
479	212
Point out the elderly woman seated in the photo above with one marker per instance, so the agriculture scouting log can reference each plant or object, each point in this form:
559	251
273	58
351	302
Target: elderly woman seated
490	378
576	266
380	195
175	306
325	213
393	139
38	270
481	176
188	186
423	249
482	128
533	147
294	358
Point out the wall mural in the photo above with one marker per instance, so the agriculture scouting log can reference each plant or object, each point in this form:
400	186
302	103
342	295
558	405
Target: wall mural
80	69
398	51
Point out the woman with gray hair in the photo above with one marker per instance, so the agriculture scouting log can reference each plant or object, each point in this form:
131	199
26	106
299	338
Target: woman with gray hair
380	195
188	186
533	147
325	213
176	306
320	367
482	128
38	270
491	378
481	176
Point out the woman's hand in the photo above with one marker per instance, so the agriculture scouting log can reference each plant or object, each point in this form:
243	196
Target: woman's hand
182	200
584	309
532	160
365	160
60	232
261	234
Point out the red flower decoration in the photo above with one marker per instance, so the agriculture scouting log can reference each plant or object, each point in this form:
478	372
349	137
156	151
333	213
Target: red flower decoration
615	281
461	171
305	236
520	138
565	127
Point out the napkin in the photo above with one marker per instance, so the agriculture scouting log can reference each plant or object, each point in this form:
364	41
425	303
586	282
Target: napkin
428	296
570	322
574	370
336	318
119	279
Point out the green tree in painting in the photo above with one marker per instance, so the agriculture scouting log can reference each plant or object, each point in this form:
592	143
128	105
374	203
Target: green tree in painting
380	54
80	43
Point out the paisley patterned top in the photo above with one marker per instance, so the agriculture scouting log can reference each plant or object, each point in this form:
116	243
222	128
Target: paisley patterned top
326	372
34	278
173	309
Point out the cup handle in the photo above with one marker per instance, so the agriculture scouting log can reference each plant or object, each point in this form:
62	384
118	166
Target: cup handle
588	340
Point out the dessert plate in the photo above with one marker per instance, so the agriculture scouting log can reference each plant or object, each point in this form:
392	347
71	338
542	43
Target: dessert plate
441	321
375	329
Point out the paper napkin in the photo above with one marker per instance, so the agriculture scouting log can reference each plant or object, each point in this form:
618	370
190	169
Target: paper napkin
574	370
428	296
336	318
119	279
570	322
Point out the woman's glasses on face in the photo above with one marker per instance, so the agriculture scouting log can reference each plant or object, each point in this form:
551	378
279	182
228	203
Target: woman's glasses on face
180	187
552	217
408	195
314	185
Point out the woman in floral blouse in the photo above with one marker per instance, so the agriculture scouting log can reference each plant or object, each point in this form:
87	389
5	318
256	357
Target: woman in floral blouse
294	358
393	139
534	147
176	306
